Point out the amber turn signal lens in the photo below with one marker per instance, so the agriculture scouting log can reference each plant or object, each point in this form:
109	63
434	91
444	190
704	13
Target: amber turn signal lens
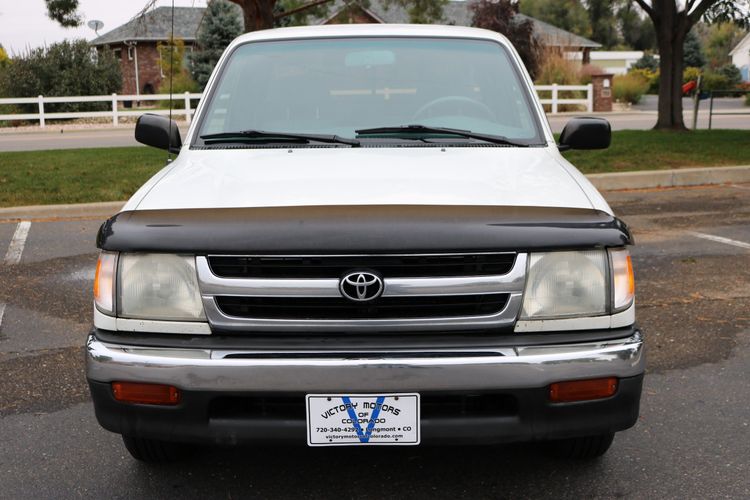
149	394
582	390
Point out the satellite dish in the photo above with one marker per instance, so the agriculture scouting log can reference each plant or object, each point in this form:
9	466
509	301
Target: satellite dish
95	25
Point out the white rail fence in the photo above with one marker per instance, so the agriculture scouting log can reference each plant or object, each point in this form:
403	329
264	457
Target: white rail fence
114	113
555	101
117	110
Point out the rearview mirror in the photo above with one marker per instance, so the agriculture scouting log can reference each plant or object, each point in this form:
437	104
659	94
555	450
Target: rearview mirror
586	133
158	131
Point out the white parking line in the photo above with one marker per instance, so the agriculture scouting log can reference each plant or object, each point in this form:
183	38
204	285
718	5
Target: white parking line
15	250
2	313
720	239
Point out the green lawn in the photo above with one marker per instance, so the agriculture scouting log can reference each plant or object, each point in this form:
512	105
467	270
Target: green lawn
653	150
75	175
111	174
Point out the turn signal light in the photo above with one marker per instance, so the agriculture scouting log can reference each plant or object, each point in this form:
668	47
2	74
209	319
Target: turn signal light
582	390
149	394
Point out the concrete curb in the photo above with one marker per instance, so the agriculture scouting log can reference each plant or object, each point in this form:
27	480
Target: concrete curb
74	211
670	178
645	179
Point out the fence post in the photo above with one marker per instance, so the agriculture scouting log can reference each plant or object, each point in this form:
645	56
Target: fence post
187	107
41	111
590	97
554	98
115	118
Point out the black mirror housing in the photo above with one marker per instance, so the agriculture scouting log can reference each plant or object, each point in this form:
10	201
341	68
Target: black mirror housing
586	133
159	132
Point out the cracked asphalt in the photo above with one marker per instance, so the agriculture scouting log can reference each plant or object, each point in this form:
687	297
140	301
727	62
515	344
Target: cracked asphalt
692	439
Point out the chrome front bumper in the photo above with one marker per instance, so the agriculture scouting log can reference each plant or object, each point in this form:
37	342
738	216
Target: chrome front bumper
436	370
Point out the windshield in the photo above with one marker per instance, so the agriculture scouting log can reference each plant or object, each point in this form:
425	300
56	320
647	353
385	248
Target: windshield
343	85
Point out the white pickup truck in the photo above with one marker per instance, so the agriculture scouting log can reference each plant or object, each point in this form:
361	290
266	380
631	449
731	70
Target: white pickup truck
368	237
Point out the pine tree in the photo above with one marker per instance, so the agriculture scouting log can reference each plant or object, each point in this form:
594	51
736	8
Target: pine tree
221	24
693	55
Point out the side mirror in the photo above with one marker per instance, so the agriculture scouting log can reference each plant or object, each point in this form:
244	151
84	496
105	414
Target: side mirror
586	133
158	131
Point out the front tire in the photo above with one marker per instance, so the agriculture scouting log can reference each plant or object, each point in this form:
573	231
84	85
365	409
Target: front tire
583	448
154	451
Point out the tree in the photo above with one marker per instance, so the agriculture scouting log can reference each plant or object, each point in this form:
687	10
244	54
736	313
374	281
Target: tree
569	15
500	16
65	12
221	24
718	40
693	51
63	69
263	14
637	31
603	25
672	21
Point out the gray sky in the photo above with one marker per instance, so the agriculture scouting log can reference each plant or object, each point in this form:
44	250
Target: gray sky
24	23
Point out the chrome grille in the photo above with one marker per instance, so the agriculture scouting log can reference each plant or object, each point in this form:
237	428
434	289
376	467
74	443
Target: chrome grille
301	293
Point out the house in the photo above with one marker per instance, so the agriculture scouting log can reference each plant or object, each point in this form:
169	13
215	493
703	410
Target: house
616	62
135	42
135	45
455	12
741	57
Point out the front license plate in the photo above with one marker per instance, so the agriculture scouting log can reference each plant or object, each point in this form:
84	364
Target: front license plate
362	419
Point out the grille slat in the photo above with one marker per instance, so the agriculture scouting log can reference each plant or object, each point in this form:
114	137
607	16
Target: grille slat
389	266
381	308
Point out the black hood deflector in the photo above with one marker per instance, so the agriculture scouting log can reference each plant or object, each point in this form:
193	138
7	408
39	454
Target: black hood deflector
361	229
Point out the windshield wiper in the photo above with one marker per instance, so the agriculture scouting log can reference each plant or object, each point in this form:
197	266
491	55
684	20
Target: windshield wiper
422	129
285	136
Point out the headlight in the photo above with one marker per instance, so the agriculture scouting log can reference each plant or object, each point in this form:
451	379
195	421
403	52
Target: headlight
623	281
566	284
104	282
159	287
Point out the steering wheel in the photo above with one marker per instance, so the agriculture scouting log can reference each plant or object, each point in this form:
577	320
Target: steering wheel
483	109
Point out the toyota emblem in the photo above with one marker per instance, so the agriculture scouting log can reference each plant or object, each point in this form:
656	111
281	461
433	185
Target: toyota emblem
361	286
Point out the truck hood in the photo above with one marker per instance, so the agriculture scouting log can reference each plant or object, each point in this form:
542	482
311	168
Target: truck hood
479	176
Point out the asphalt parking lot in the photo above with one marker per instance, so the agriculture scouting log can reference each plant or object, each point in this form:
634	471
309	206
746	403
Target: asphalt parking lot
693	438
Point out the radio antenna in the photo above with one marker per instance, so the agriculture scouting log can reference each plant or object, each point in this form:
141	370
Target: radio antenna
171	70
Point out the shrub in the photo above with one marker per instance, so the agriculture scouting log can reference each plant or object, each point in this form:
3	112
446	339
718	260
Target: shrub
181	83
555	68
648	61
587	71
652	77
690	74
629	88
62	69
732	73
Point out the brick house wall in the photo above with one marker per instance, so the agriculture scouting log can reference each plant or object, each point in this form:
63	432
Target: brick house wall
149	69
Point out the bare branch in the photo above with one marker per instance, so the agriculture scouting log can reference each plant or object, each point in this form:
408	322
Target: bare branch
695	15
647	9
301	8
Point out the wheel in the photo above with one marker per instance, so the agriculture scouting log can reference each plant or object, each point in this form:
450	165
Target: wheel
583	448
154	451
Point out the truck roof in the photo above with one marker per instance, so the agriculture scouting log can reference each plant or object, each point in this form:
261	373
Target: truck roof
348	30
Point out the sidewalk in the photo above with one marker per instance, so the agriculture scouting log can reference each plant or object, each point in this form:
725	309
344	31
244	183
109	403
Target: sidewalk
605	182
